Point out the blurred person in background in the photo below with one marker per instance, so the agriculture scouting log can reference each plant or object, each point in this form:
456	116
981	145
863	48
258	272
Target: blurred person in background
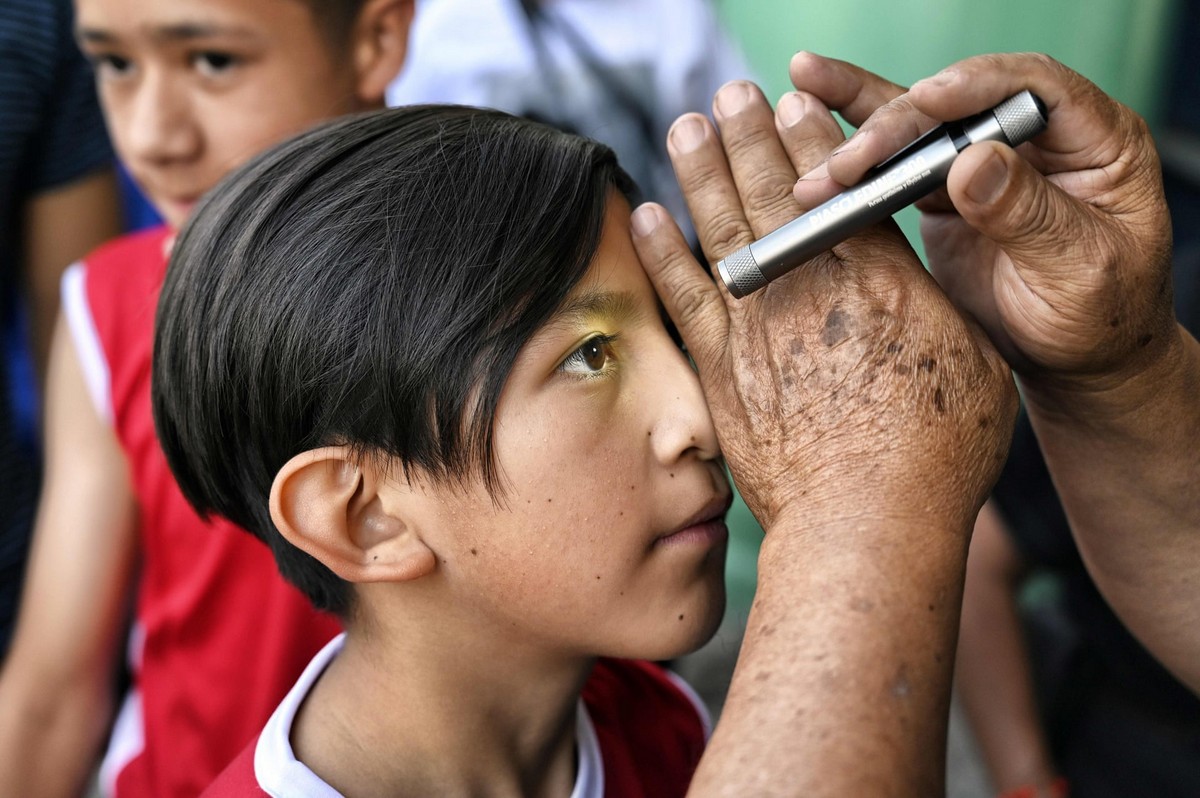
189	89
619	72
58	199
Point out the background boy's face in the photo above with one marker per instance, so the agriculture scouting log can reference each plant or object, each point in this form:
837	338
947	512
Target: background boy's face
193	88
605	447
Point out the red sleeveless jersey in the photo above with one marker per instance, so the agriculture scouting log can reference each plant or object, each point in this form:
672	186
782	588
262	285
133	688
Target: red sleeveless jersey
219	637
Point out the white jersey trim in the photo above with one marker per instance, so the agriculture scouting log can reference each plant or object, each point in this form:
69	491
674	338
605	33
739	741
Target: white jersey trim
126	744
88	350
281	775
697	701
128	737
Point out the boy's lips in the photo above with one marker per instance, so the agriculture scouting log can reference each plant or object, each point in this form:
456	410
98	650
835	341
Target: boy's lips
182	205
707	526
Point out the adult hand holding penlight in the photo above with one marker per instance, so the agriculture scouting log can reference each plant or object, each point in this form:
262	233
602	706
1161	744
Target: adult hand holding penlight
905	177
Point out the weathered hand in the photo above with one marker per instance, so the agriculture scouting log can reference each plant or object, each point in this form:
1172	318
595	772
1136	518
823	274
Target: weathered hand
850	387
1062	255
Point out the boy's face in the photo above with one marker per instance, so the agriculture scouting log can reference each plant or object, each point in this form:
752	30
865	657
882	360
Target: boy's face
608	537
193	88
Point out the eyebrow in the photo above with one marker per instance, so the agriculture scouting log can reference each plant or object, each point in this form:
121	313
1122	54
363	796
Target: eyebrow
617	305
174	33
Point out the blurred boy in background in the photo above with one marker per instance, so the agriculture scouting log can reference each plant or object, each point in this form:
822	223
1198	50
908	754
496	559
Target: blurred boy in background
190	89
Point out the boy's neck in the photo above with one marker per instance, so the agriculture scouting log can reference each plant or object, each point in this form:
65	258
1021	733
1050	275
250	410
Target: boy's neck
393	715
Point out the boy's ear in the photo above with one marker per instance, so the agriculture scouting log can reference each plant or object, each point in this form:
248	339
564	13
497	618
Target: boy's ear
380	45
348	517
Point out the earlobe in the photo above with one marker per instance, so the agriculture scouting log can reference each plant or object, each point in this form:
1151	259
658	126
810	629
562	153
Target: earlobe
330	507
381	44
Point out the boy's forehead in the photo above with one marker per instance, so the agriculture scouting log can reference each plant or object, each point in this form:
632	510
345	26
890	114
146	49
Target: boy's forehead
181	20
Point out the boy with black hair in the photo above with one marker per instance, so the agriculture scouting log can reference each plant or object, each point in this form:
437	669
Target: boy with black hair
190	89
415	352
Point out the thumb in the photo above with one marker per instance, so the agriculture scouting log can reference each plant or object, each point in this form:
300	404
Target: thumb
690	296
1002	196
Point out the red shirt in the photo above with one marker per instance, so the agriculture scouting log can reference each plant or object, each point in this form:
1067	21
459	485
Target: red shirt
219	637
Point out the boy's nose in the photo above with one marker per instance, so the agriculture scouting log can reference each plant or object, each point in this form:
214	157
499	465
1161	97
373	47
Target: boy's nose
161	125
682	422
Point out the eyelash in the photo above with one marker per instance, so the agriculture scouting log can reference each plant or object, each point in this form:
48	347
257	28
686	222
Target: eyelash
108	65
203	60
209	63
577	358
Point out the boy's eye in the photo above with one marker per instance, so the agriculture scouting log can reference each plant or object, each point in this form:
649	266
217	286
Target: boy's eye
111	66
212	64
592	356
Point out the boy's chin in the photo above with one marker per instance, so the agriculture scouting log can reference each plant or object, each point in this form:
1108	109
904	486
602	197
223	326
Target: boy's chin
687	634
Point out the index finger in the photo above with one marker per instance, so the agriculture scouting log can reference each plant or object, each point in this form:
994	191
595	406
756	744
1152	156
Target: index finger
850	90
881	109
1077	108
690	296
1081	116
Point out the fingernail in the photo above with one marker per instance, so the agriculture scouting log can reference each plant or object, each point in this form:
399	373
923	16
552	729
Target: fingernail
733	97
821	172
687	134
851	144
799	54
988	181
792	108
645	220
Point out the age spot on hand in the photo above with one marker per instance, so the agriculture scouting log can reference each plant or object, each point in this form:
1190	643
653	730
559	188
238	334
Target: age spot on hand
836	327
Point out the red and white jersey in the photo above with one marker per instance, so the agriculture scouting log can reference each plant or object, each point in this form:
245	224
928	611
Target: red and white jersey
219	637
640	731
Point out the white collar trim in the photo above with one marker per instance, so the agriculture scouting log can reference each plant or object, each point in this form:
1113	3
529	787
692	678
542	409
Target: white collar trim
281	775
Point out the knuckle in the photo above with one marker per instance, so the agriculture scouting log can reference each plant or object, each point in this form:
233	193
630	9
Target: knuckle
689	301
1049	64
723	233
768	195
697	178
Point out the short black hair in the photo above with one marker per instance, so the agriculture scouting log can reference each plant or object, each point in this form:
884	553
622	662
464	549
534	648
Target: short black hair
368	283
